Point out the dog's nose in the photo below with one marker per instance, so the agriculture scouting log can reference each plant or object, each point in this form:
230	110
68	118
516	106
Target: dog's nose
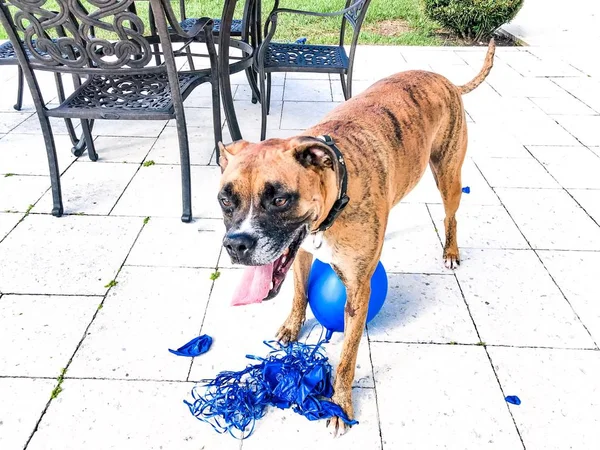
239	246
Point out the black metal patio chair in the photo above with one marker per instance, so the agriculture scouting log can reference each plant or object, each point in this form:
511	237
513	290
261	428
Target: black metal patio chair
116	60
284	57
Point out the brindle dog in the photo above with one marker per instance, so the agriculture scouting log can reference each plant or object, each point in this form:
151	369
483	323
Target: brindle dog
275	194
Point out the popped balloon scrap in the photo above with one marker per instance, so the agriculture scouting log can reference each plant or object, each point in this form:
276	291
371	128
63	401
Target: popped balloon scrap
195	347
466	190
513	399
297	375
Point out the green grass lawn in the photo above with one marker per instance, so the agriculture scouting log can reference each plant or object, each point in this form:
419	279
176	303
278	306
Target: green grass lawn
388	22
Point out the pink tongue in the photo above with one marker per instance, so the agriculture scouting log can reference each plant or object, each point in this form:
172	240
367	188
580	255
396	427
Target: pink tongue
255	285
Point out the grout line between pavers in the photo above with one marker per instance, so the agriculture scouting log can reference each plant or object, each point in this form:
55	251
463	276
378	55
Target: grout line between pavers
79	344
477	331
571	94
467	344
374	388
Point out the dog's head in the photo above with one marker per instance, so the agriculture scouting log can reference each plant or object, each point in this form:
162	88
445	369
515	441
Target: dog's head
271	194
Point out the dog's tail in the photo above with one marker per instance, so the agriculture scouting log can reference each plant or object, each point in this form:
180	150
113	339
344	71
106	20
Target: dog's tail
485	70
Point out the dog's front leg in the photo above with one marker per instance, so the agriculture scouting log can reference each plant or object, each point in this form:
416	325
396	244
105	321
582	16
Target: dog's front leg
291	327
358	292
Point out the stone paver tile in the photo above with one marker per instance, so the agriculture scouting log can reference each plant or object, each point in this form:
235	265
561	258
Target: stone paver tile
589	199
244	92
559	392
253	324
150	310
573	167
585	89
11	120
418	387
543	131
302	115
156	191
575	274
563	105
423	308
201	97
170	242
129	128
71	255
90	188
525	87
248	115
277	79
200	139
519	173
411	244
550	219
32	126
286	429
487	141
425	191
514	301
19	192
481	227
8	222
25	154
307	90
127	415
115	149
23	400
40	333
584	128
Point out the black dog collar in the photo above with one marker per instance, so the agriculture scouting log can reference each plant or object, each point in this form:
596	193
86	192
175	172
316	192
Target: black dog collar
342	175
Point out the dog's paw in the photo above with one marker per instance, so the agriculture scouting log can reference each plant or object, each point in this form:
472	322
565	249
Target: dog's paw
289	331
336	425
451	260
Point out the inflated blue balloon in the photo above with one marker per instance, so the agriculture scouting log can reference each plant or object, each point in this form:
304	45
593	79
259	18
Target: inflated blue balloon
327	295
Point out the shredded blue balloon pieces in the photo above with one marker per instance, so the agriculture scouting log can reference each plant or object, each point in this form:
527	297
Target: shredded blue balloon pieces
301	41
297	375
513	400
195	347
466	190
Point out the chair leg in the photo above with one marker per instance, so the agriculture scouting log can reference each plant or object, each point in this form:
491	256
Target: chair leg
263	106
349	83
344	86
57	205
78	144
20	82
268	99
190	58
184	157
86	127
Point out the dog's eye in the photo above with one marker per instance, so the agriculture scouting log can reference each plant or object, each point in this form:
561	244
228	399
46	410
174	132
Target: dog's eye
280	201
226	202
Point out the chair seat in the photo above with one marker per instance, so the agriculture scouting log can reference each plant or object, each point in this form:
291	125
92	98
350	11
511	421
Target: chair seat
8	55
236	26
305	58
146	96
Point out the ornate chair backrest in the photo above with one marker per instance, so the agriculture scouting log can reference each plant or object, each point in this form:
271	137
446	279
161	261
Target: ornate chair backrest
355	17
86	36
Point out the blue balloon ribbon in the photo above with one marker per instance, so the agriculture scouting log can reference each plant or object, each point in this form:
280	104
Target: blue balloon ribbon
195	347
296	376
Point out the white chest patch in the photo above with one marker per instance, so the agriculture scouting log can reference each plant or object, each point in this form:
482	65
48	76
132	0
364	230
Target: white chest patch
318	246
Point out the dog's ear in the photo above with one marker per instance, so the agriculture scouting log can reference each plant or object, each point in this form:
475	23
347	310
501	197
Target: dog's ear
226	154
312	152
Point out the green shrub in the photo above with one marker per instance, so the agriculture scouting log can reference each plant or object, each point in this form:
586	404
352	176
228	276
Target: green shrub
472	19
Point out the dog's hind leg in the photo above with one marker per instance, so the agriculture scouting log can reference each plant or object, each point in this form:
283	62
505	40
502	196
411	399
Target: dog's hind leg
291	327
446	161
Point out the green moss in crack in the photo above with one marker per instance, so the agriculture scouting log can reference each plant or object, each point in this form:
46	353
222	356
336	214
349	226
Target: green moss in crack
148	163
216	274
146	220
58	388
111	283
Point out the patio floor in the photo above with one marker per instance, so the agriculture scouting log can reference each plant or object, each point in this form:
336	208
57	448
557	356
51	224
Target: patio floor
521	316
